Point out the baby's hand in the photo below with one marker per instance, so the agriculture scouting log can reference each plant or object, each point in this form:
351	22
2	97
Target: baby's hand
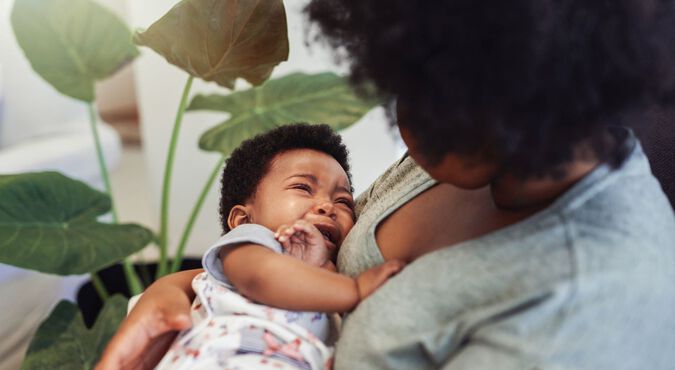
304	241
370	280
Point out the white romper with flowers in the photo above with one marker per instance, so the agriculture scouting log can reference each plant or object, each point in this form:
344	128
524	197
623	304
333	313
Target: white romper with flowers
232	332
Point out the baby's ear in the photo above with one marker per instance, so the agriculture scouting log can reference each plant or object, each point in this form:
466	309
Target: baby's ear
239	215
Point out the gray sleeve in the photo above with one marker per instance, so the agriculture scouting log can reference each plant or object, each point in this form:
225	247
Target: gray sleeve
363	198
247	233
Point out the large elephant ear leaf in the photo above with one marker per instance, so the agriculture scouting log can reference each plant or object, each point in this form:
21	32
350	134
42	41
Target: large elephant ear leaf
72	43
48	223
64	342
319	98
222	40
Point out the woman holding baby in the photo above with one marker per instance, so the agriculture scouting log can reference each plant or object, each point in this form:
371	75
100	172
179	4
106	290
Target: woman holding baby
534	231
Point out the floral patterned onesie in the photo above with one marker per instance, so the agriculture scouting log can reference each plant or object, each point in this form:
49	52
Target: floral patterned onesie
232	332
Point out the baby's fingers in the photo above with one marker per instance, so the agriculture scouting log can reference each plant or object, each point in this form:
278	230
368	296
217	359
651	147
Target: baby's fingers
285	242
304	226
298	239
392	267
279	230
284	233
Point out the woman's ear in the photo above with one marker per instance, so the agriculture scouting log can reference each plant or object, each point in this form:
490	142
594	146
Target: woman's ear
239	215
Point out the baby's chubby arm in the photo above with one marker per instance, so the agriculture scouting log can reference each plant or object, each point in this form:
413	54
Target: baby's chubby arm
285	282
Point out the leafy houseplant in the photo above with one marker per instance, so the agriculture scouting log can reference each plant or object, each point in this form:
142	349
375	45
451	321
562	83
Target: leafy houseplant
49	222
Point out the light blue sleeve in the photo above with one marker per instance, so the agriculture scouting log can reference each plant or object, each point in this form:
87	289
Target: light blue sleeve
247	233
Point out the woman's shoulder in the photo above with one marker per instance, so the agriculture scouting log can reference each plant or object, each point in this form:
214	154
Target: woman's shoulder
598	263
401	177
543	288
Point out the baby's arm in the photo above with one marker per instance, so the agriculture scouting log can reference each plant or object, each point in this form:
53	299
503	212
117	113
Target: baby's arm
285	282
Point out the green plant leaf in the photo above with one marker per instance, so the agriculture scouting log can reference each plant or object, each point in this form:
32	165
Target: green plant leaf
63	342
222	40
48	223
319	98
72	43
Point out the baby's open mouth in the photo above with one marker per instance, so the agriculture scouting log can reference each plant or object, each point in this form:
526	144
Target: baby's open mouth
329	232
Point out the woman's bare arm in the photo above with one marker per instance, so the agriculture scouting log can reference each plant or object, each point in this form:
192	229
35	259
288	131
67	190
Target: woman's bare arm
148	330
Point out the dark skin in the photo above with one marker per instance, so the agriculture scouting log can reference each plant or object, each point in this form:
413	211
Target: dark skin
474	197
303	192
420	226
424	221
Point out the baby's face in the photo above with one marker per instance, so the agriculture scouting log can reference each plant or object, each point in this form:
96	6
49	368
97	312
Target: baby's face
305	184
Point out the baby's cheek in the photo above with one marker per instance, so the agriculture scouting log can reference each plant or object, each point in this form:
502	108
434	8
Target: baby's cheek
347	228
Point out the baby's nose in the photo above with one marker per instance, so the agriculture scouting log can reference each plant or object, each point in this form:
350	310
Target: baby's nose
326	209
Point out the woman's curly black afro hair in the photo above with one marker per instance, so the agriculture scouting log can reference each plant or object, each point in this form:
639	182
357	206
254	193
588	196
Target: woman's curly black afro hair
249	163
521	82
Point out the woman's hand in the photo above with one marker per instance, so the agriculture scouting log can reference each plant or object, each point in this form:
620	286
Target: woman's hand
149	329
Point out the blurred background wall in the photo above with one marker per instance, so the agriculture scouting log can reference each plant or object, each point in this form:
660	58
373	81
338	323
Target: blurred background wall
158	89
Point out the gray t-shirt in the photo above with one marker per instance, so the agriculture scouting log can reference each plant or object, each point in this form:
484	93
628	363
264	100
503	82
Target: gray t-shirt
587	283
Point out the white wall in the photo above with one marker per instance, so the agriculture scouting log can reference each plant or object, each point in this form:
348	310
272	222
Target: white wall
32	108
159	87
116	96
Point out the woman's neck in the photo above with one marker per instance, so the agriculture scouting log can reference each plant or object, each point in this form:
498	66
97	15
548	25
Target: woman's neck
511	193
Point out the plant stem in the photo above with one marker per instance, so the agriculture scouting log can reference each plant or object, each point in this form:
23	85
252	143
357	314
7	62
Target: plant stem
133	281
98	285
101	159
193	216
164	215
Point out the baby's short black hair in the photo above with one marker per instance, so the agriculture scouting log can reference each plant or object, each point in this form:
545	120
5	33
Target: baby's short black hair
519	81
250	162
